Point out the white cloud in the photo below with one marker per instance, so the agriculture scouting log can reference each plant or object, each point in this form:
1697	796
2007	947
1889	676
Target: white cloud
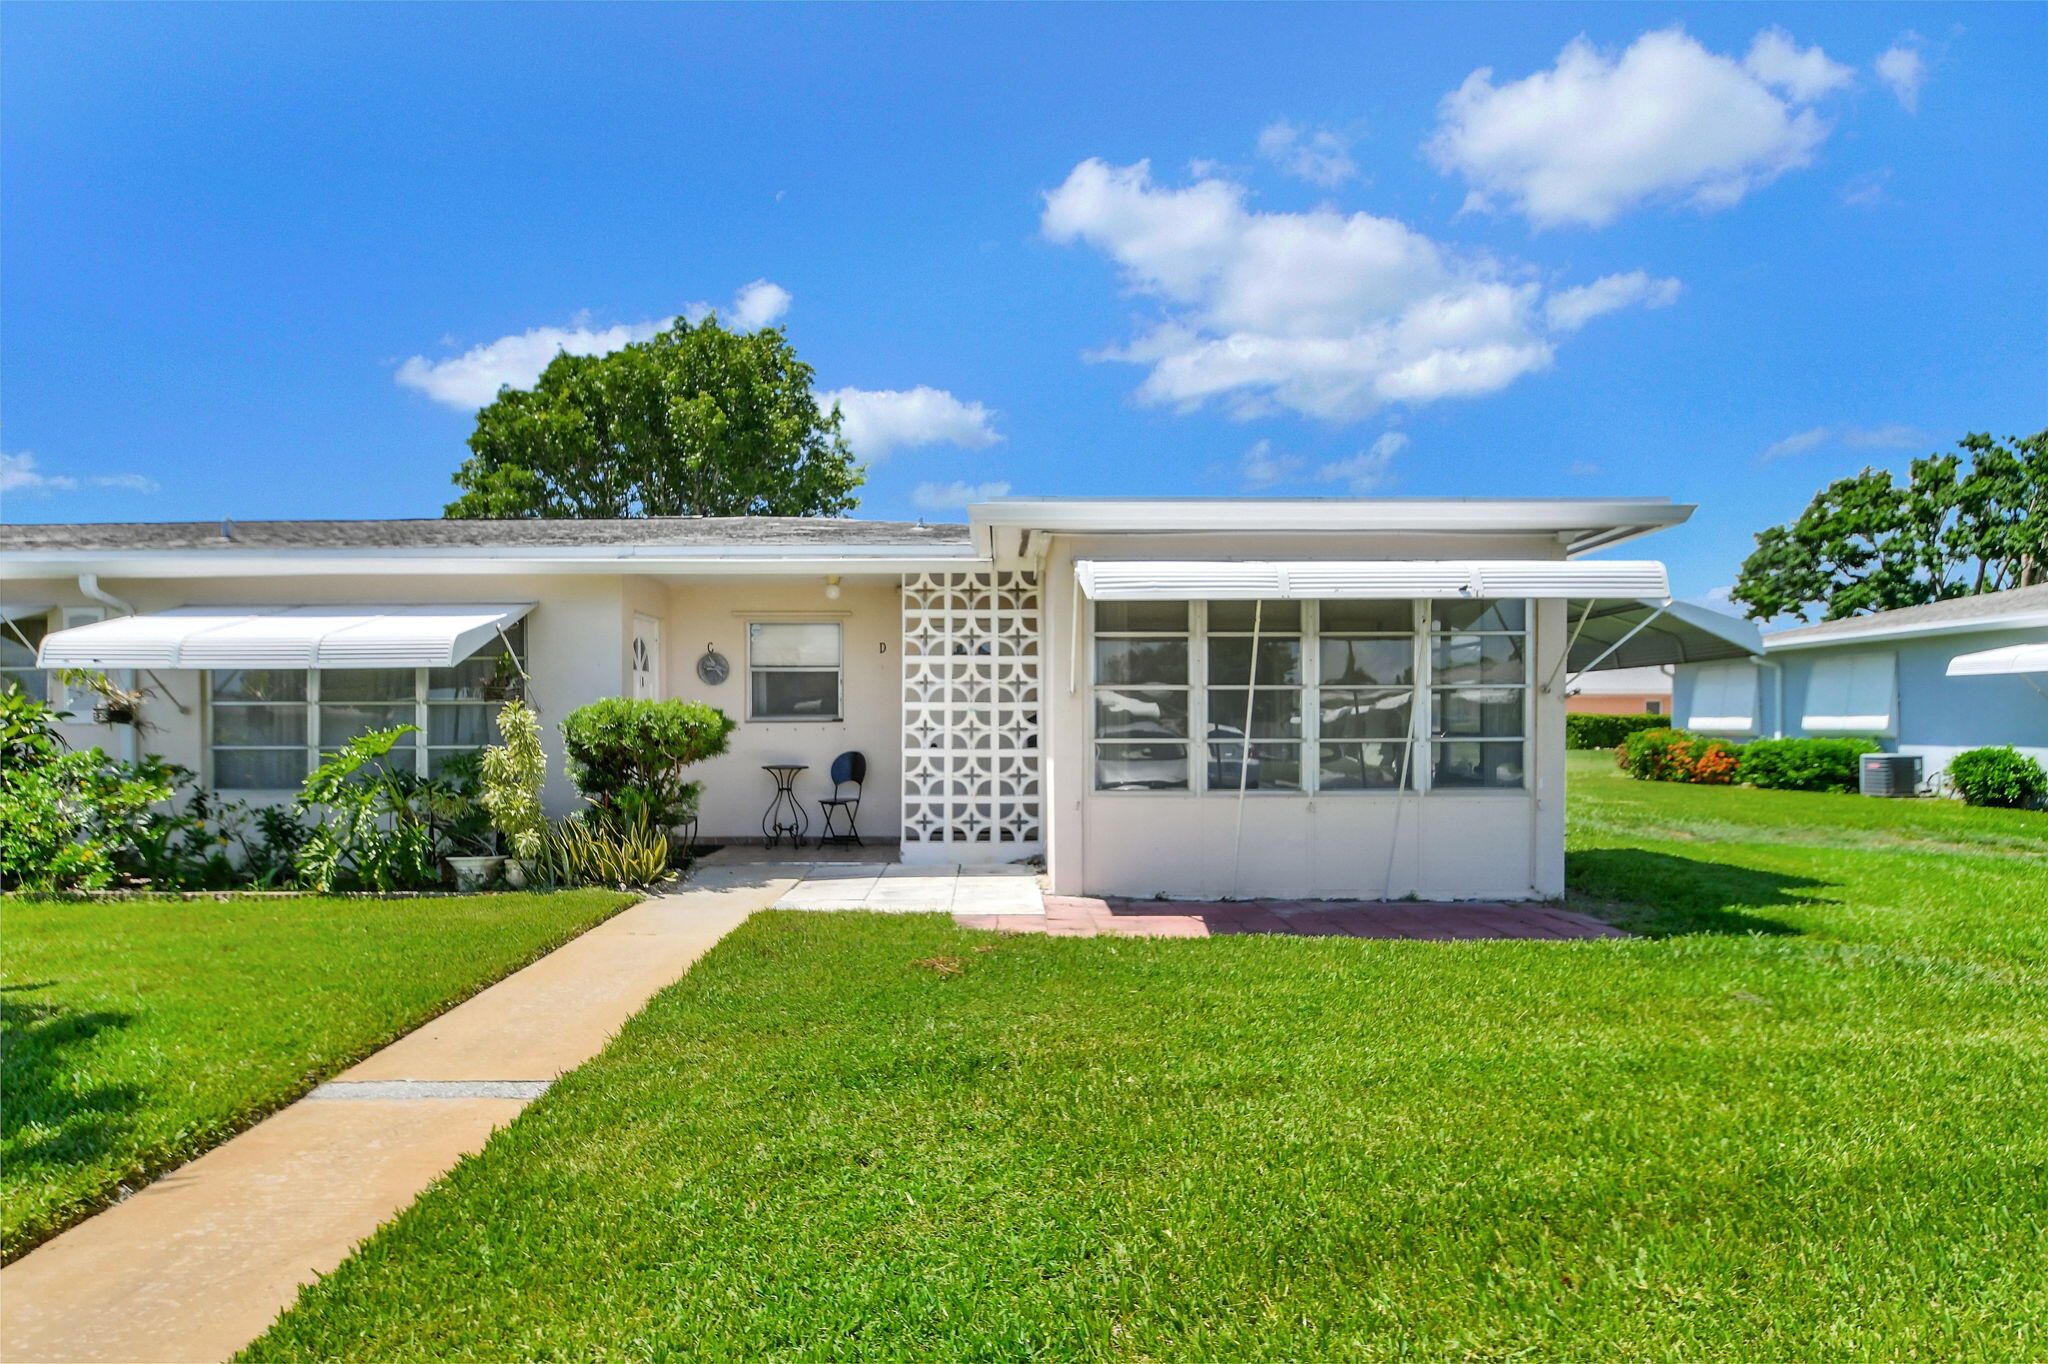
878	421
1328	314
1867	190
1321	157
1796	444
1583	469
1261	467
955	496
473	378
1904	70
1666	120
19	474
1570	309
758	305
1367	469
127	483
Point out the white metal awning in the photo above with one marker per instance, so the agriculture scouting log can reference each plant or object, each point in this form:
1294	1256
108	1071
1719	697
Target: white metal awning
2013	658
283	637
1634	633
1282	580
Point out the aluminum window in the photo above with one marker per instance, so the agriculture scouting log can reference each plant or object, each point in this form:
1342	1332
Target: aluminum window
1479	694
1143	701
794	670
18	640
270	727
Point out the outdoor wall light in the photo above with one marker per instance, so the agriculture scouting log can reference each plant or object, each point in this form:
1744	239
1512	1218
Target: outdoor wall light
832	587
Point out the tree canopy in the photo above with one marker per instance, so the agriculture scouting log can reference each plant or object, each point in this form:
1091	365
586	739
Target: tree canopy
694	421
1867	543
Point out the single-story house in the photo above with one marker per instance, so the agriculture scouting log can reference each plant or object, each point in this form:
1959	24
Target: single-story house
1072	678
1931	680
1620	691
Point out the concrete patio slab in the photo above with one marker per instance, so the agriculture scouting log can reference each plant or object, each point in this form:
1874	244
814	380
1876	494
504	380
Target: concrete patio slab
1081	916
198	1264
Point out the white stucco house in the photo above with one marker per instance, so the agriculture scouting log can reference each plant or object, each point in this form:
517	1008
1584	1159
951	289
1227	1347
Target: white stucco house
1068	677
1930	680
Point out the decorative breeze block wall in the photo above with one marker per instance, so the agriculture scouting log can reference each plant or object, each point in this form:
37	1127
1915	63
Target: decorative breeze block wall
971	688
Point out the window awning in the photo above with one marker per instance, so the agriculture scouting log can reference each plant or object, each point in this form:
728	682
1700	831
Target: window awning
1653	633
2013	658
282	637
1284	580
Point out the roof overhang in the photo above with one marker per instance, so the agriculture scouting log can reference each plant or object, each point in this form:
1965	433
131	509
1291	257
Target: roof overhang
1964	625
294	637
2013	658
1580	524
1391	579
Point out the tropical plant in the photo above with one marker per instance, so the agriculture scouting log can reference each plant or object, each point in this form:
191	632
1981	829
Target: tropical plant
513	774
372	830
1675	755
67	816
623	852
1997	776
627	756
694	421
1866	543
1803	764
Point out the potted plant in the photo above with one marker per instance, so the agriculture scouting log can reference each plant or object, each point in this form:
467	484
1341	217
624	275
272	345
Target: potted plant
115	705
507	682
464	823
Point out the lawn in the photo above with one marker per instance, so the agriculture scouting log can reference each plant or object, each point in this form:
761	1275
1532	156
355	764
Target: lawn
139	1033
1804	1117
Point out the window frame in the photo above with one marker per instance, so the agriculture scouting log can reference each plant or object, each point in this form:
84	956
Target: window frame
1435	741
838	671
1189	633
423	705
12	676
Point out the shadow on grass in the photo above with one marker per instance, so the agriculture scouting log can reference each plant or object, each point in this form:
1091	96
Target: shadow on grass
1657	895
41	1077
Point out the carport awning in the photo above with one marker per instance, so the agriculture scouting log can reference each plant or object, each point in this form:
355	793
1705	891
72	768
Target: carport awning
1286	579
283	637
1654	633
2013	658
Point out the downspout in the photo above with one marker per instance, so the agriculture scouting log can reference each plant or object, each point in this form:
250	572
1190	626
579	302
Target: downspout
89	584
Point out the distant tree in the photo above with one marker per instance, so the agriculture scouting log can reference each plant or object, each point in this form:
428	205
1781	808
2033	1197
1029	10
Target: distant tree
1866	543
694	421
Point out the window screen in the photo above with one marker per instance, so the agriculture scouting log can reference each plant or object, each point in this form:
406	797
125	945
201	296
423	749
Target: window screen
793	670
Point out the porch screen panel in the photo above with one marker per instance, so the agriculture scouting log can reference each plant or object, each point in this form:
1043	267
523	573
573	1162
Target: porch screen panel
971	691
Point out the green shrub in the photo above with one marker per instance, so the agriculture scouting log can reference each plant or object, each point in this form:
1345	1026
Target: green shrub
68	819
625	851
1675	755
1605	731
627	757
373	830
1803	764
2002	777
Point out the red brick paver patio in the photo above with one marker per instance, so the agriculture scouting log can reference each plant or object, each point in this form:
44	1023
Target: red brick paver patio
1076	917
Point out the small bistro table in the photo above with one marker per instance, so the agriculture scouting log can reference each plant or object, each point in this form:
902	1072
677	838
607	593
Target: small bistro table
785	817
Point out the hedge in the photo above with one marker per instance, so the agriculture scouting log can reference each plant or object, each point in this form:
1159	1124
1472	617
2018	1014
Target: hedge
1605	731
1674	755
1803	764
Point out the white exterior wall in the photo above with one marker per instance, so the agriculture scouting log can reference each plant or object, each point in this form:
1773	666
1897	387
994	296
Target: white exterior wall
716	611
1353	844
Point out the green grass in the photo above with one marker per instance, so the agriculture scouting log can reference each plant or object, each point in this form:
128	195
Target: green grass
139	1033
1805	1118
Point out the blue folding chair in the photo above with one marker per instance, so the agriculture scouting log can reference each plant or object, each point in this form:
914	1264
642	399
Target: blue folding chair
848	769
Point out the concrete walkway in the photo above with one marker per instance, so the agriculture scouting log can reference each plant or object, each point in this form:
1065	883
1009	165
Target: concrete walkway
198	1264
898	889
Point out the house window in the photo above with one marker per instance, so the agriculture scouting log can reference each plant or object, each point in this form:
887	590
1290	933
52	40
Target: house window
1478	693
1141	696
1268	712
1653	707
793	671
18	641
1365	698
270	727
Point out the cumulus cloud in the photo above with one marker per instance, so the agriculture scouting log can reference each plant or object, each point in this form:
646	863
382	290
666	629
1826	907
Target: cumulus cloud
473	378
1904	71
1328	314
1368	469
878	421
21	474
1263	467
956	495
1321	157
1570	309
1664	121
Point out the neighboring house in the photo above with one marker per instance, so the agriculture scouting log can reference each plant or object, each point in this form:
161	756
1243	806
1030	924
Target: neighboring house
1888	676
1621	691
1071	677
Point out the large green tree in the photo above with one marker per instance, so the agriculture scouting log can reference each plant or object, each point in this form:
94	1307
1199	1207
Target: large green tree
1867	543
694	421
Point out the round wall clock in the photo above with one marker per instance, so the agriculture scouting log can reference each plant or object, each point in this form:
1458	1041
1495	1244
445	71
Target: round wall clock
712	668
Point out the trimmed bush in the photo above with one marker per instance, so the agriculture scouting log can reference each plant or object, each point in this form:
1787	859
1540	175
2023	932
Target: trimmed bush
2001	777
627	756
1675	755
1803	764
1605	731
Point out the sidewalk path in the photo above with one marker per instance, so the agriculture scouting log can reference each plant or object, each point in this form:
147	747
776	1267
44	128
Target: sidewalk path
198	1264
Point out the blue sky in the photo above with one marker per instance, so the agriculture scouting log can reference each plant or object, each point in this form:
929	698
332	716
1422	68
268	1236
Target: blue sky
254	261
